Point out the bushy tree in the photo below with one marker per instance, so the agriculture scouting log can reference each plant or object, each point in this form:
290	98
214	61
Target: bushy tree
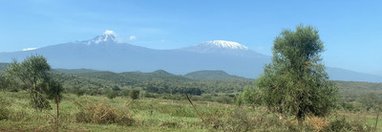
134	94
296	82
250	95
54	92
33	74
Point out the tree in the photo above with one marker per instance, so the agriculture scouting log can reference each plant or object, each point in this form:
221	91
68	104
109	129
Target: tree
296	82
134	94
54	92
250	96
33	74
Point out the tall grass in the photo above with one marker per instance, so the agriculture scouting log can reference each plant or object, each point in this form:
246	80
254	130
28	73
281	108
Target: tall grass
99	113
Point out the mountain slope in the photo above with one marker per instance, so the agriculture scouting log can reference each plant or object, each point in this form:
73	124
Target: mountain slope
212	75
347	75
104	53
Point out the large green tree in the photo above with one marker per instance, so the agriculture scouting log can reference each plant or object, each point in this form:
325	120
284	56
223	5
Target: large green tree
296	82
33	75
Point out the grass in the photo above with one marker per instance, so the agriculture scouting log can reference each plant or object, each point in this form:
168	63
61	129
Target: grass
152	115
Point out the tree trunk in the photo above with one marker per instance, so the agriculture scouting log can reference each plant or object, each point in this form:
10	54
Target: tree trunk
57	112
376	121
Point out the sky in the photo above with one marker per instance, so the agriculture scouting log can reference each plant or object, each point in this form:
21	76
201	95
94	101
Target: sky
350	29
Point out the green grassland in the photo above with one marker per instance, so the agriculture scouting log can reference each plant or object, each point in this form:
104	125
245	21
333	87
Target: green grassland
148	114
101	101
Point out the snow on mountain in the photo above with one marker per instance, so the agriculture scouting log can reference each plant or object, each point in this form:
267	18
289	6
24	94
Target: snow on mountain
223	44
28	49
223	47
106	38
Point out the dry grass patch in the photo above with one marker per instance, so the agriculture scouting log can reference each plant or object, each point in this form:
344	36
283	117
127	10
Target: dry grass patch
103	113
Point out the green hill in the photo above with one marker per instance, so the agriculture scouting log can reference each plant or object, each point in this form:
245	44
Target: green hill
213	75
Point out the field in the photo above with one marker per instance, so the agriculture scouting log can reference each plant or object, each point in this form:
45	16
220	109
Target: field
148	114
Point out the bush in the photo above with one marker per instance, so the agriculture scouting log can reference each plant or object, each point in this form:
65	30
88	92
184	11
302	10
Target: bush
134	94
342	125
112	94
126	120
237	120
102	113
4	113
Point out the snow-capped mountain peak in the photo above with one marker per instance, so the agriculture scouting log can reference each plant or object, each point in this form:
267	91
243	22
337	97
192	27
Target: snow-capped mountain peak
219	46
107	37
224	44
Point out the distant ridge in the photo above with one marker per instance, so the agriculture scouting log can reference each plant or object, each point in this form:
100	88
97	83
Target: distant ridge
212	75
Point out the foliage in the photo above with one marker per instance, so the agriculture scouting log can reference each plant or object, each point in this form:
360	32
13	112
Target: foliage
33	74
371	101
3	83
342	125
250	96
54	91
134	94
296	82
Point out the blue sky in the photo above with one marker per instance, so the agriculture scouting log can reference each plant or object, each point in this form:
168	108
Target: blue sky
350	29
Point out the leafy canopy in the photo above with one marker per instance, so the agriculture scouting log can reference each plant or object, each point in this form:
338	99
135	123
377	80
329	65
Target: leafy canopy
33	74
296	82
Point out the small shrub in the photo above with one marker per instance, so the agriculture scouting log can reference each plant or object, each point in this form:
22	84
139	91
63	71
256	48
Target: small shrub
213	120
338	125
102	113
99	113
83	117
237	120
168	124
134	94
317	123
20	115
126	120
342	125
112	94
4	113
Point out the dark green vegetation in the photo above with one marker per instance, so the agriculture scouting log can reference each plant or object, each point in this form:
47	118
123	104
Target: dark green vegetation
212	75
106	101
296	82
33	75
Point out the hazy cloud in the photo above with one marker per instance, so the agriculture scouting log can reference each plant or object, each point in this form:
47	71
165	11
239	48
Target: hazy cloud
132	37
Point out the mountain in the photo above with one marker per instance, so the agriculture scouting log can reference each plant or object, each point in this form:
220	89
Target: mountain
104	53
342	74
212	75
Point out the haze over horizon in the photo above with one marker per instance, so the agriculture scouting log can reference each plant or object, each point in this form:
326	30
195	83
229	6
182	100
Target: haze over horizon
350	29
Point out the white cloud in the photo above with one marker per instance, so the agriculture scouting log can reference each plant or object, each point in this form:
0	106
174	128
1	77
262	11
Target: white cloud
28	49
132	37
109	32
